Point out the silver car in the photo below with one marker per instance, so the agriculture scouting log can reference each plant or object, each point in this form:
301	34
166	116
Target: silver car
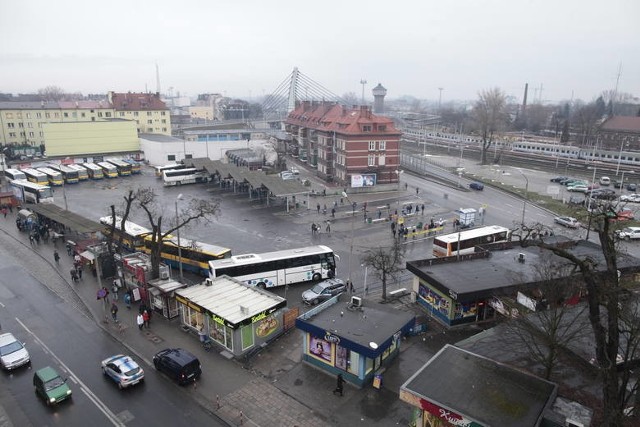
323	291
567	221
13	353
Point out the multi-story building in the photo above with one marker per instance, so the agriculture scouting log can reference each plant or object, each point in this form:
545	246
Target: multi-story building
620	133
350	146
147	109
21	123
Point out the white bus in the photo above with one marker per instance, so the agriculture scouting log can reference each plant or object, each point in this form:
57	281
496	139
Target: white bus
160	169
36	176
14	174
69	175
109	170
181	176
94	171
278	268
464	241
29	192
83	175
124	168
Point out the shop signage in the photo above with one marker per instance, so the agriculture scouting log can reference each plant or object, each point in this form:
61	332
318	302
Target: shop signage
217	319
447	415
329	337
258	317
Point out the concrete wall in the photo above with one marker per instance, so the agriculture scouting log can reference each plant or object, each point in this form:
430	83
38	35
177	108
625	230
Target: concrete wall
87	138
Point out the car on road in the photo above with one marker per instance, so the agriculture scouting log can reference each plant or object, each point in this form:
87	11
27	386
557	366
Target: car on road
178	364
628	233
581	188
559	179
476	186
13	353
605	180
567	221
323	291
633	198
51	386
123	370
632	187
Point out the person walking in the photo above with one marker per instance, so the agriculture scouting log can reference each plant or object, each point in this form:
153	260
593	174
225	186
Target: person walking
349	286
318	207
127	299
74	275
146	317
140	321
79	271
339	385
114	289
114	311
328	229
56	256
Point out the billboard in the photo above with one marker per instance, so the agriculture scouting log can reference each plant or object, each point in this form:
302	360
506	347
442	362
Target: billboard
365	180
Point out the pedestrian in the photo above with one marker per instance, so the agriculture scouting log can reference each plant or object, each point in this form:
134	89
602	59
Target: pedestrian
114	311
417	191
74	275
114	289
146	317
333	212
324	209
422	209
313	228
79	271
349	286
4	211
140	321
56	256
127	299
69	249
328	229
32	239
318	207
379	213
339	385
406	185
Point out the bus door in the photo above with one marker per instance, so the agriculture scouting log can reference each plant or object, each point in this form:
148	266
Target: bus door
282	277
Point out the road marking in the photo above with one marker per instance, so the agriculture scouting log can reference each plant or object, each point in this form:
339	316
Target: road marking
86	390
1	304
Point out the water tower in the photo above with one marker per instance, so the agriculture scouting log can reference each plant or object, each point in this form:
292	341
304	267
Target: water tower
379	93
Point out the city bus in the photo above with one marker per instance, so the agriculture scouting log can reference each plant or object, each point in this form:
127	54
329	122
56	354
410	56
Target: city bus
109	170
465	241
267	270
160	169
181	176
69	175
124	168
135	166
30	192
94	171
132	236
14	174
35	176
83	175
54	177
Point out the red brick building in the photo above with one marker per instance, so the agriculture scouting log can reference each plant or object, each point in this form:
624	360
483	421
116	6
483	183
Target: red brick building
349	146
620	133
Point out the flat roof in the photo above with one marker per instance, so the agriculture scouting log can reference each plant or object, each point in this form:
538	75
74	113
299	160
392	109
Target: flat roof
231	299
74	221
480	389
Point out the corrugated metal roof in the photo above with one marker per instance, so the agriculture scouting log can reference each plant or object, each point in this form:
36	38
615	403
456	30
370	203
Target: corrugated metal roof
74	221
227	296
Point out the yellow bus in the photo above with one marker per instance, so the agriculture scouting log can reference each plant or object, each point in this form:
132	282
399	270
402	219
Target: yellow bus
94	171
109	170
35	176
55	177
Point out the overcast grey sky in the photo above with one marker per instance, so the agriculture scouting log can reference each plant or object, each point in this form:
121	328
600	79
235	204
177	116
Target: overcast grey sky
247	48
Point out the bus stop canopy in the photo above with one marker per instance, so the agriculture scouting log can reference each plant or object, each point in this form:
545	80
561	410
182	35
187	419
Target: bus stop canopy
256	179
67	218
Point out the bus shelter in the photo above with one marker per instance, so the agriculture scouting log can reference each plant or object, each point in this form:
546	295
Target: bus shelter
352	337
238	318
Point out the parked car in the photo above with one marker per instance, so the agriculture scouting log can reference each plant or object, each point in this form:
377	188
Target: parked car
624	215
628	233
323	291
123	370
593	186
603	194
178	364
616	183
574	181
605	180
578	187
632	187
51	386
476	186
13	353
567	221
559	179
633	197
565	180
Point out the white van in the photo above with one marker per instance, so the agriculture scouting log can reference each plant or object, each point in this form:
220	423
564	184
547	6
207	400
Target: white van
605	180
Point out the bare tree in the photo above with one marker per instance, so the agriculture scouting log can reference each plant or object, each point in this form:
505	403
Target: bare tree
51	93
386	262
489	113
350	98
554	325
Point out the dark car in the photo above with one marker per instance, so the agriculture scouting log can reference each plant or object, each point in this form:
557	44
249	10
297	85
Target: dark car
603	194
632	187
51	386
178	364
558	179
476	186
323	291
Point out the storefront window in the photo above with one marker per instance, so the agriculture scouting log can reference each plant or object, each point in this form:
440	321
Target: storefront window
354	363
222	334
320	349
368	365
191	317
342	357
247	336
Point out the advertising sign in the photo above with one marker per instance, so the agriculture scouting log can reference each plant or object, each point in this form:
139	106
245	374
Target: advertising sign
366	180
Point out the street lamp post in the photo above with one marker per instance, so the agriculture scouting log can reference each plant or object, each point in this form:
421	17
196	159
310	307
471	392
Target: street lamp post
398	172
622	180
526	195
179	245
593	180
353	214
620	155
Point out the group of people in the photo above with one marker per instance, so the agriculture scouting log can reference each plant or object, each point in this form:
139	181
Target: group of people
315	228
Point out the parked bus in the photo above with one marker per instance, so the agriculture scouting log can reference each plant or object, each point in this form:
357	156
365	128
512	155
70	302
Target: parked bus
278	268
55	177
109	170
29	192
181	176
160	169
94	171
83	175
14	174
135	166
133	235
36	176
124	168
465	241
70	176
